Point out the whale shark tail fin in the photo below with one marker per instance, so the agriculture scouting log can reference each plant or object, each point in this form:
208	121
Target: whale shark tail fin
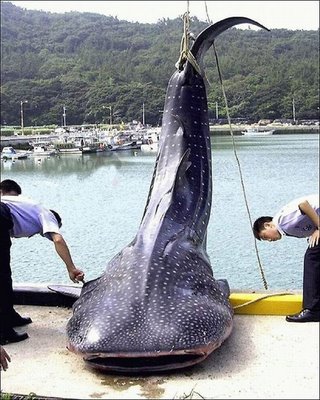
206	38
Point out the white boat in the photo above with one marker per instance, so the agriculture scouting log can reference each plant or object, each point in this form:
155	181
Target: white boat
70	150
124	146
79	144
150	146
69	146
257	132
42	150
125	140
9	153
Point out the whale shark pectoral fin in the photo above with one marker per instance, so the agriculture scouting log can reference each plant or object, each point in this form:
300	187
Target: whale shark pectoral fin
172	192
184	164
224	286
66	290
182	167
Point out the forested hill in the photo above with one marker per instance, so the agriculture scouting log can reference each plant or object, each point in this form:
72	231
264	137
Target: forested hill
88	62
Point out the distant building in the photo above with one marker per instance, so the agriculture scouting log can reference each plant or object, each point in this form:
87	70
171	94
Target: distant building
264	122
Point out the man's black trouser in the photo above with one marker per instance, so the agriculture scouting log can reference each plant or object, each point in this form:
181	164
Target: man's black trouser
311	279
6	290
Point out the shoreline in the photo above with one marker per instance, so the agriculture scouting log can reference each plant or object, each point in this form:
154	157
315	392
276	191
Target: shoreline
223	130
215	130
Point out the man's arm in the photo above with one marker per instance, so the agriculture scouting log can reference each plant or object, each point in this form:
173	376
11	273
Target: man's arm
62	249
306	209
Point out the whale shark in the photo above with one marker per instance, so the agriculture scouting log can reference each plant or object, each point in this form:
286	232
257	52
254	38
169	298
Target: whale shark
157	306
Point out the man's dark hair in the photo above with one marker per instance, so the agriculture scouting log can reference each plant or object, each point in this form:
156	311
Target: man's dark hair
9	185
58	218
258	226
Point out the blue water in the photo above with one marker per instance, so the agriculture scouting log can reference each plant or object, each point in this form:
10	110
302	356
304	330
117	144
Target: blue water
101	199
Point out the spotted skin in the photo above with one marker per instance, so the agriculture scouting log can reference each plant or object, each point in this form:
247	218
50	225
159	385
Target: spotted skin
157	303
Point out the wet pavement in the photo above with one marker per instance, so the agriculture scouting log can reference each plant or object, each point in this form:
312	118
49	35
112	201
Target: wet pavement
265	357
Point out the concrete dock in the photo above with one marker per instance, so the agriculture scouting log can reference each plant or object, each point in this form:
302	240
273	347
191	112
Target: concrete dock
264	358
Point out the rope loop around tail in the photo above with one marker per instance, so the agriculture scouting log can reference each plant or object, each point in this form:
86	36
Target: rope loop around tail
185	53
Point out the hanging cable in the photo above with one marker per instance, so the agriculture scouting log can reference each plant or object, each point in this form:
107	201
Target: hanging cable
236	157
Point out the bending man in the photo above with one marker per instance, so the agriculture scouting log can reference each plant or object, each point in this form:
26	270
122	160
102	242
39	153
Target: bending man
22	217
299	219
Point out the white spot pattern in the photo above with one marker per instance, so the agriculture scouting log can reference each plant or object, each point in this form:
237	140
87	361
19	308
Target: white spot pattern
159	293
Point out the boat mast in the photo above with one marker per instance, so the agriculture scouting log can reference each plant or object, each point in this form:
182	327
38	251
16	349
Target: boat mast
64	115
143	116
293	111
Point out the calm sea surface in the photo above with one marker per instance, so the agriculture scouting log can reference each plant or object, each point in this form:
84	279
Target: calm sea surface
101	198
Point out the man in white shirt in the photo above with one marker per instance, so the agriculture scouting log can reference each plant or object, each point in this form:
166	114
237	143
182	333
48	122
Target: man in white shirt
300	219
22	217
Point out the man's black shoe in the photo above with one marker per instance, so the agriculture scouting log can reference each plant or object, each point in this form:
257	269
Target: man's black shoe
305	315
11	336
17	320
21	321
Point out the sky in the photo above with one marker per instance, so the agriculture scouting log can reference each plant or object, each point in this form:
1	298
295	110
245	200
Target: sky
293	15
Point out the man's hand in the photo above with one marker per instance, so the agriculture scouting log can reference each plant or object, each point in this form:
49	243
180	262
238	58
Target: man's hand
4	358
314	238
76	275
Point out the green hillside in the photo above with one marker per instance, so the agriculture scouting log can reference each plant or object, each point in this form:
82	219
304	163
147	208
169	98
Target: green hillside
89	62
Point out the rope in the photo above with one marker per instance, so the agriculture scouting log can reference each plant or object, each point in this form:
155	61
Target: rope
185	53
236	157
261	298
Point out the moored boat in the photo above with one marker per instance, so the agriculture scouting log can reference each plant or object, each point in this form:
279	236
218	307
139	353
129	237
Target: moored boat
70	150
93	148
150	146
42	150
9	153
254	131
151	142
124	146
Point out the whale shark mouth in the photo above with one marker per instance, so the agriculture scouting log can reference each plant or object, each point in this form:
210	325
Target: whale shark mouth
144	364
149	362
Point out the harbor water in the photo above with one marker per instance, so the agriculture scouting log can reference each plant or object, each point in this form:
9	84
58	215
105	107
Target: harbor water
101	199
